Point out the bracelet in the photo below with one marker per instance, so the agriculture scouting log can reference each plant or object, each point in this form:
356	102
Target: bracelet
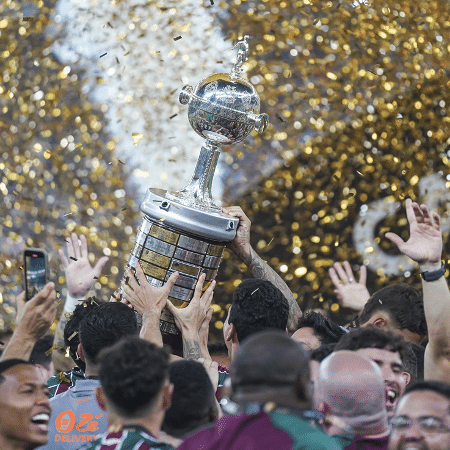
435	274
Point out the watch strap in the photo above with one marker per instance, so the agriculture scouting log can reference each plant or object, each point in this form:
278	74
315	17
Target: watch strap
435	274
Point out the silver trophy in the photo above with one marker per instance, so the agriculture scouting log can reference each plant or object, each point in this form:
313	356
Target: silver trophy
184	231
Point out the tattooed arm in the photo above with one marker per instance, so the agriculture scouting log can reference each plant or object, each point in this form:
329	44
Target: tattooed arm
241	247
191	349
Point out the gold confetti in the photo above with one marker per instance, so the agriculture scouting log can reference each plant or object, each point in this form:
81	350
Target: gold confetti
72	335
136	138
63	378
177	38
51	349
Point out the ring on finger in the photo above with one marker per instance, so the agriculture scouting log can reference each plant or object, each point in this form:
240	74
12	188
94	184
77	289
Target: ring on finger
351	280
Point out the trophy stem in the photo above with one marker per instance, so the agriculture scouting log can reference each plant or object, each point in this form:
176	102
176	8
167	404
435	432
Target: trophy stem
198	190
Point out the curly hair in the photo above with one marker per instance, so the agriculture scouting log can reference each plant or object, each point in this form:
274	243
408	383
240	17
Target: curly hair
374	337
403	303
257	305
132	373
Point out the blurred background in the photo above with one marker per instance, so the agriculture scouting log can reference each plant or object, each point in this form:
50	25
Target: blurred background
358	95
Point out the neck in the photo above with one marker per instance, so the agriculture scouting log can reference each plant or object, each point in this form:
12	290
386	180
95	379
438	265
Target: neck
91	370
151	422
409	336
279	397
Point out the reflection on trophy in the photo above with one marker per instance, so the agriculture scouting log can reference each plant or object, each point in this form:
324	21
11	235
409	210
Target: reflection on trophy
184	231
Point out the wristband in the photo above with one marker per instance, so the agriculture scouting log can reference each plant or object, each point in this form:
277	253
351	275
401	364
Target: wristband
71	303
435	274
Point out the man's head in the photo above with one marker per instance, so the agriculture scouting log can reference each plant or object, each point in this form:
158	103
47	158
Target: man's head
41	359
134	378
422	418
386	349
351	388
72	328
24	406
257	305
314	330
269	366
398	308
104	326
193	399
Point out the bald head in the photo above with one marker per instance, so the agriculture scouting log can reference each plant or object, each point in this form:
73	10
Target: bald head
351	387
268	361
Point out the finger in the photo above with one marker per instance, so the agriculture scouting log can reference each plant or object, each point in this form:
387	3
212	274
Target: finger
63	258
131	281
139	273
338	294
83	247
198	288
20	299
70	249
436	221
334	277
426	214
43	295
341	273
236	211
171	281
397	240
209	314
348	271
100	264
363	275
412	210
208	295
76	246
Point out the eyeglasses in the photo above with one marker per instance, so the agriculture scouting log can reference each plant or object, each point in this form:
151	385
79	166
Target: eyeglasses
429	424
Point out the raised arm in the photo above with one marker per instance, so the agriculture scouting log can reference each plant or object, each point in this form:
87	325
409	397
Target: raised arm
80	277
242	248
425	247
191	318
33	320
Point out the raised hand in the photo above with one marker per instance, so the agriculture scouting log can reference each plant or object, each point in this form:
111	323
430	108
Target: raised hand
190	318
143	296
80	275
352	294
425	237
240	245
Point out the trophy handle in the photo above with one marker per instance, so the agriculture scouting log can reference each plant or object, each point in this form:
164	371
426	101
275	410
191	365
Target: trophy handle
260	120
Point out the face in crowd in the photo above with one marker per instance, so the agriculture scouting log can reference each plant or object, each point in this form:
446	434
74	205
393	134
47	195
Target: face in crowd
395	377
421	422
24	407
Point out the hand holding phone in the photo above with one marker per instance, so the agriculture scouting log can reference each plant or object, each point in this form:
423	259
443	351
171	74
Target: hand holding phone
35	267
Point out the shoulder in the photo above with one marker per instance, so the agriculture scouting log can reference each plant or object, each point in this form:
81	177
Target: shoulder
63	381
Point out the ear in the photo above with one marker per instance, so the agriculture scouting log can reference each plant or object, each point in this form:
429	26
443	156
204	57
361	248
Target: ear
100	397
167	395
80	353
407	377
231	335
380	322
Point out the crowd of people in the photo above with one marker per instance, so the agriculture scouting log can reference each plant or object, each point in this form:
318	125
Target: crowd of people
281	379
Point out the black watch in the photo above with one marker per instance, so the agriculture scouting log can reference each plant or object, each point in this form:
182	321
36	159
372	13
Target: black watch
435	274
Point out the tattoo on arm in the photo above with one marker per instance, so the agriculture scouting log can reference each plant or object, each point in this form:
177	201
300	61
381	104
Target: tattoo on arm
191	349
261	269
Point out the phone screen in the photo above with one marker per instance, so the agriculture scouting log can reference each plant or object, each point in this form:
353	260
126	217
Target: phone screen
35	272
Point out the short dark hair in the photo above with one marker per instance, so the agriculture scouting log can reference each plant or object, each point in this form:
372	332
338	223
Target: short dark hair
403	303
72	328
38	354
324	329
132	373
429	385
217	348
104	326
374	337
319	354
8	363
193	399
257	305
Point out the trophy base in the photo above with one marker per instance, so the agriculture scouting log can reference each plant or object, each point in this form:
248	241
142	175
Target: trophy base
178	238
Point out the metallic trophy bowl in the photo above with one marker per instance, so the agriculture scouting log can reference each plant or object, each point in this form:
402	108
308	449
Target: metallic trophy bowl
184	231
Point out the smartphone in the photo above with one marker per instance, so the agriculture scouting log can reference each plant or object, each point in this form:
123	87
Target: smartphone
35	269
